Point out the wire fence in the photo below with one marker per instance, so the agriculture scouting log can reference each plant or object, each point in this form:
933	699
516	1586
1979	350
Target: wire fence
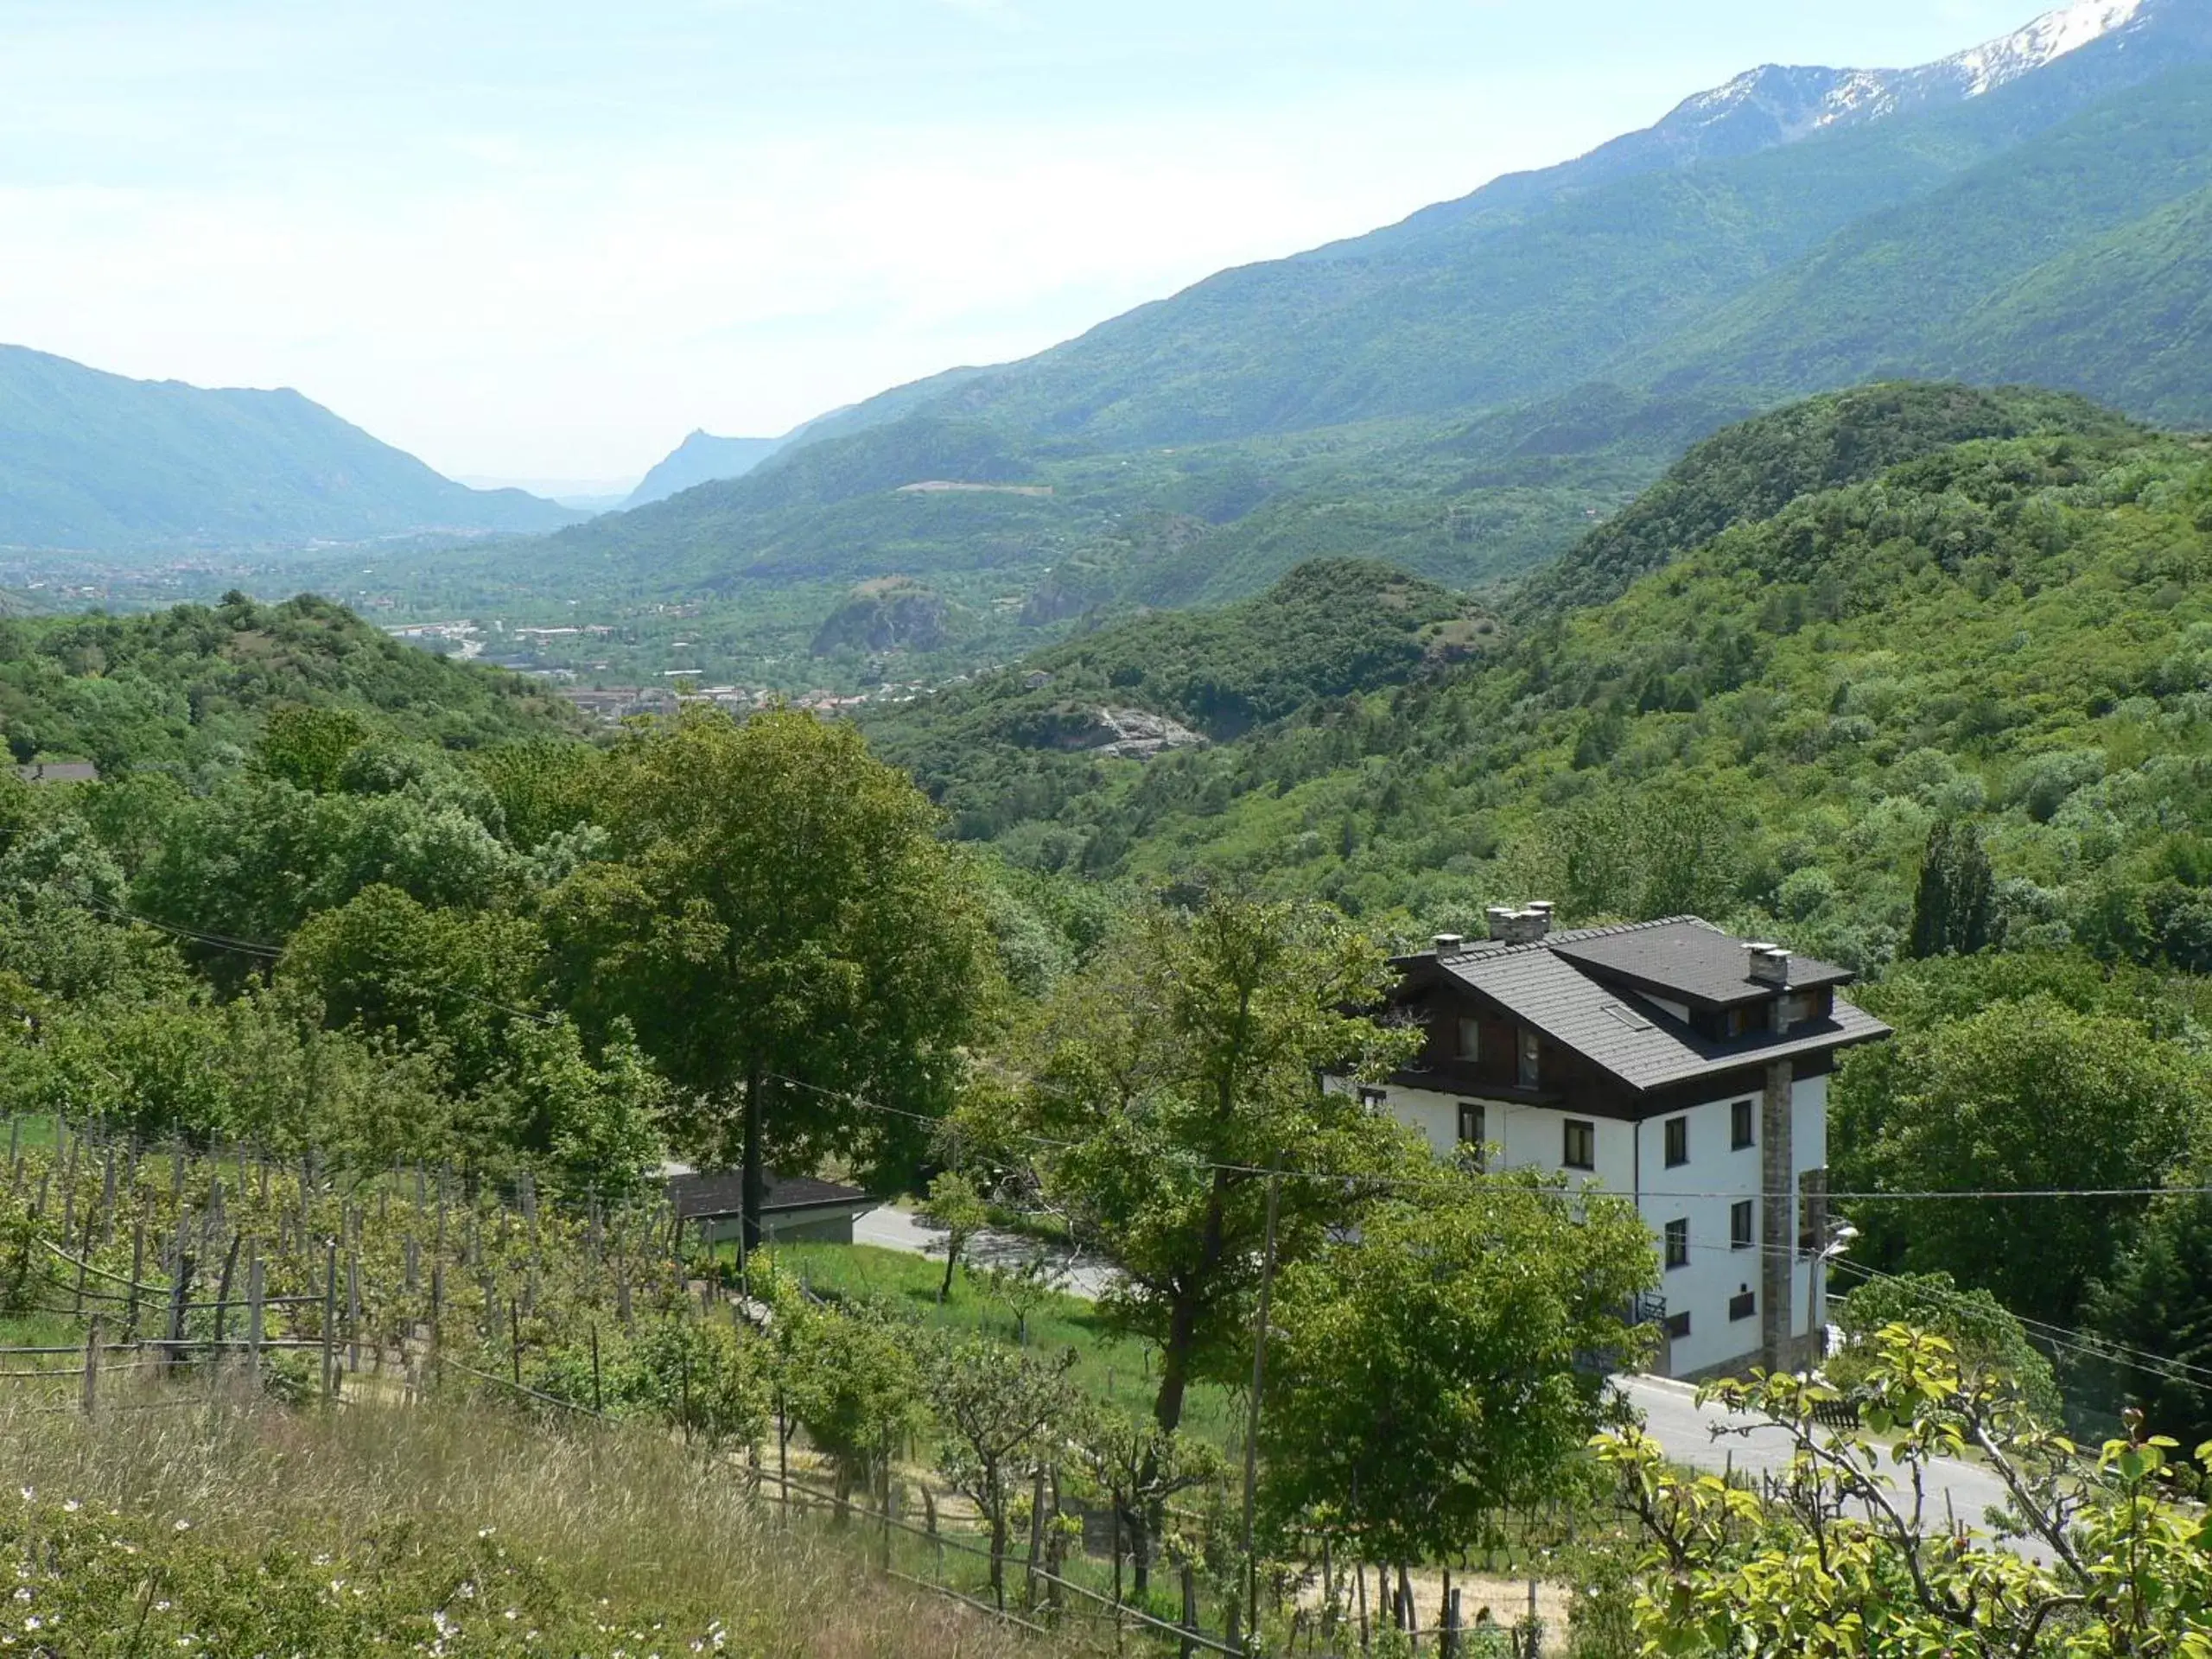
233	1268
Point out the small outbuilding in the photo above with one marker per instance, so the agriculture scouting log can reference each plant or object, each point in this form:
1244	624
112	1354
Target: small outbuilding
798	1208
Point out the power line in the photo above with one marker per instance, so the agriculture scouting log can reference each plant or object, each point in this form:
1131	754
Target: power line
1989	1195
276	952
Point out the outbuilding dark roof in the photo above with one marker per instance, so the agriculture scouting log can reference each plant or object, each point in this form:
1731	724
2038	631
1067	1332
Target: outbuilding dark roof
1570	987
722	1192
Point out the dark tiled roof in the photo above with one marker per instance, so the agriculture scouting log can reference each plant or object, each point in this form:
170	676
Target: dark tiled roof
1551	985
722	1192
1690	961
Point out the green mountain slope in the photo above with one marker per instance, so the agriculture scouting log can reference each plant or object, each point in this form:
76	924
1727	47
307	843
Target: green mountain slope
2011	629
1928	286
1537	282
2127	315
1461	394
97	461
1019	744
1752	471
183	687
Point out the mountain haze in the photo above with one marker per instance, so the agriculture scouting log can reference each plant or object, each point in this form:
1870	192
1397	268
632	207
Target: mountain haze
701	459
97	461
1461	393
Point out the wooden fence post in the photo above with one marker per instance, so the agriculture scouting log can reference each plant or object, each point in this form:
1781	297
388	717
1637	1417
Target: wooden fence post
179	1294
330	1318
1190	1610
137	1269
598	1405
1036	1537
92	1334
353	1305
253	1312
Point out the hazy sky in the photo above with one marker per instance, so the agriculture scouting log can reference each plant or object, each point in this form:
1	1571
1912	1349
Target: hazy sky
544	239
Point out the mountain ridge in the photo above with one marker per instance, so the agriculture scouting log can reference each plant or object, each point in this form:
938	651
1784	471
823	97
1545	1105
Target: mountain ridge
98	461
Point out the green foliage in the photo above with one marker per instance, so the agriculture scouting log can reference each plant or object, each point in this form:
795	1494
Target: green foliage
778	911
27	1269
1003	1414
106	1585
1952	909
1852	1566
1986	1340
2006	630
191	686
306	747
1448	1362
2155	1308
1159	1084
955	1206
2025	1095
1015	744
1751	471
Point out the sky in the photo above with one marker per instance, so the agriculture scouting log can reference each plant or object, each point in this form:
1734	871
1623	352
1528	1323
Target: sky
540	241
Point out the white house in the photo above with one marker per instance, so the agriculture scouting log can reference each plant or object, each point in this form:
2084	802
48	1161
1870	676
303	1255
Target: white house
1663	1061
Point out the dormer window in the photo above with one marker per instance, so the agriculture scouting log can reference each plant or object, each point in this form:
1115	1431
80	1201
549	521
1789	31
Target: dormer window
1470	1034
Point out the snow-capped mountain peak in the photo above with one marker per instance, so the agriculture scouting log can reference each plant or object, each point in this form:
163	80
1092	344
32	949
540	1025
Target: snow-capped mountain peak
2051	37
1782	103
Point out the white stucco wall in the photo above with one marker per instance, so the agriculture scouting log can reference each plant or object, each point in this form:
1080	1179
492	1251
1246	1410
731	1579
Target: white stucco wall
1631	1161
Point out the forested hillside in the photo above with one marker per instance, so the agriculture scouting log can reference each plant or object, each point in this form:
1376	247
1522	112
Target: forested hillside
1855	618
182	688
96	461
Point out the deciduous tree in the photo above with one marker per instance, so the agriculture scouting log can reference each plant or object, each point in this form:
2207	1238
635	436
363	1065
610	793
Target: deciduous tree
780	921
1449	1361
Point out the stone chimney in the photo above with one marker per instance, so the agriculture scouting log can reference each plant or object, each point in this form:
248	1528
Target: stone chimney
1525	926
1768	963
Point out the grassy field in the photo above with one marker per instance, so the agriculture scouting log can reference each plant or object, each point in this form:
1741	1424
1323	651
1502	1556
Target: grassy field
1123	1372
247	1529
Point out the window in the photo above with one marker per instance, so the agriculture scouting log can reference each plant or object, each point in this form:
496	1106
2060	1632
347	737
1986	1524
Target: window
1743	1305
1800	1006
1739	1225
1678	1141
1678	1326
1470	1039
1471	1123
1740	1125
1527	1058
1580	1150
1678	1244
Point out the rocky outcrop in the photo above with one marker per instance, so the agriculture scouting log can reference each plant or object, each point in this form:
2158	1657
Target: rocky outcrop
1127	733
890	614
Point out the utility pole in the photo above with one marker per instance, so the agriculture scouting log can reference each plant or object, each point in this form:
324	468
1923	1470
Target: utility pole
1252	1426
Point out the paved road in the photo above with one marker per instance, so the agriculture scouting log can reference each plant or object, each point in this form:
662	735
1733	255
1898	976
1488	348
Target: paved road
892	1228
1686	1430
1671	1413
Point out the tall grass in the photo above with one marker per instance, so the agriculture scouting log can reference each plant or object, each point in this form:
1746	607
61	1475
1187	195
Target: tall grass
621	1528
